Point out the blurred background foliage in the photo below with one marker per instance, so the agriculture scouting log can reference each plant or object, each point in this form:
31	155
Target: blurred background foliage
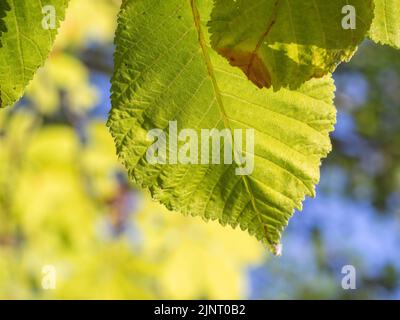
65	200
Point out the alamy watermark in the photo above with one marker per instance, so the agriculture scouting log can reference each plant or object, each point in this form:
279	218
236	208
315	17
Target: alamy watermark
189	146
349	21
350	277
49	277
49	21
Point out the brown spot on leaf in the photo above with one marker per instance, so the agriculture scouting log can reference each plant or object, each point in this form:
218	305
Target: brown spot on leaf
250	64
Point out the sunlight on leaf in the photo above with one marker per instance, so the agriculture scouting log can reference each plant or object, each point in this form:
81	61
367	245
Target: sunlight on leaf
25	44
165	70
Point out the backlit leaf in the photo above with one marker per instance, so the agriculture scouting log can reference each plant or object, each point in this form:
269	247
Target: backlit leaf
386	25
287	42
24	42
165	70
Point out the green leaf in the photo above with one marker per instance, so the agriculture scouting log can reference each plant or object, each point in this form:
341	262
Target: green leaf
386	24
283	43
24	43
165	70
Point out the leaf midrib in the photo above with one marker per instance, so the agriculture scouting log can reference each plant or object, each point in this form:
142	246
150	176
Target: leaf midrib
210	69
